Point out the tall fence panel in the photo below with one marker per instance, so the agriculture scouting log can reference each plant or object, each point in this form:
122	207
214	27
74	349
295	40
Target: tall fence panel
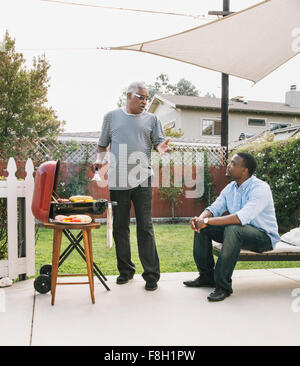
20	238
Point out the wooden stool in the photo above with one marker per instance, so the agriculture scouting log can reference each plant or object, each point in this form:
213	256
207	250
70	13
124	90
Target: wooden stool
88	249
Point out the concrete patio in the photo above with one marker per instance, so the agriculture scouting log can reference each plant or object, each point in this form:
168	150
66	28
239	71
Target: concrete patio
264	310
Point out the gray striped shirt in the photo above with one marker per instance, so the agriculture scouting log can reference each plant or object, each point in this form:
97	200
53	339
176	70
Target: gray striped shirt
131	138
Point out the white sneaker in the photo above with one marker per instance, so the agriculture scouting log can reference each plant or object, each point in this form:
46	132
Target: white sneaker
5	282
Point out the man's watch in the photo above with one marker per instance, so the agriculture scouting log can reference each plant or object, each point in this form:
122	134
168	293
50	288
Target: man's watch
205	221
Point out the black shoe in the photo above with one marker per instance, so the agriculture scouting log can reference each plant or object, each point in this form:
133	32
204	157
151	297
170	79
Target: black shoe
151	285
124	278
218	294
201	281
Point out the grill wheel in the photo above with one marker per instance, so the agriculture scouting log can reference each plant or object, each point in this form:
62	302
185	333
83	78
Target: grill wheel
42	284
46	269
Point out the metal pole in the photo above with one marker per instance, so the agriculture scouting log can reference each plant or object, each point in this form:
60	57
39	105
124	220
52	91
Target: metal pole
224	112
225	99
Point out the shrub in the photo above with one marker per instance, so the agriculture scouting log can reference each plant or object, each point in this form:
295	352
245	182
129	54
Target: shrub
278	163
173	193
209	194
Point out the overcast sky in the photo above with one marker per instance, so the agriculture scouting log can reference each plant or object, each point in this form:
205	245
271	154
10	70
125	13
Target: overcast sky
86	82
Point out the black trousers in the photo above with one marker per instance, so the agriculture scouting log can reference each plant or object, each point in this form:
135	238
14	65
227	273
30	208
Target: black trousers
234	238
141	197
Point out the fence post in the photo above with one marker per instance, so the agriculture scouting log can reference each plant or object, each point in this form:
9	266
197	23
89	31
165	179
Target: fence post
29	219
12	220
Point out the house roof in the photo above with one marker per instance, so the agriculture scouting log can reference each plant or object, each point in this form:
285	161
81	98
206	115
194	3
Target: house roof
80	136
235	105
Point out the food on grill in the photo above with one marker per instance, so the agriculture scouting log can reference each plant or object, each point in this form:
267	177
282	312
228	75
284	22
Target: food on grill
83	219
63	200
59	217
82	199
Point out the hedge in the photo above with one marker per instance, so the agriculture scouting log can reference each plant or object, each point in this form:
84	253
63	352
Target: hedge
278	163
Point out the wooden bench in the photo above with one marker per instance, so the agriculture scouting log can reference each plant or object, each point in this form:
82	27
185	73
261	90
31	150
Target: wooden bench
282	252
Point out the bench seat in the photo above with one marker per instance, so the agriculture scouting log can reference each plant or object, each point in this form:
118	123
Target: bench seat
282	252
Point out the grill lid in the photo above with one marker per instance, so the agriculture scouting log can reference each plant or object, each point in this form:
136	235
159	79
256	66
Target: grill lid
44	186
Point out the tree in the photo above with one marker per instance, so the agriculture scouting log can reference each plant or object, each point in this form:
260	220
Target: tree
185	87
25	120
208	95
162	85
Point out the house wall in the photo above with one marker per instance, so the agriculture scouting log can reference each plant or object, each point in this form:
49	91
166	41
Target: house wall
238	123
190	121
165	113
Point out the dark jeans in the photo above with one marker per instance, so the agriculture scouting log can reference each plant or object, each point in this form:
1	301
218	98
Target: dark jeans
141	198
234	238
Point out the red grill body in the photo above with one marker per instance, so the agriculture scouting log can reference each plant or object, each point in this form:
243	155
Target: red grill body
43	205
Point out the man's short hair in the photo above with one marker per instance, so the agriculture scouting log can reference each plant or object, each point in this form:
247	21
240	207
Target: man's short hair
136	85
249	162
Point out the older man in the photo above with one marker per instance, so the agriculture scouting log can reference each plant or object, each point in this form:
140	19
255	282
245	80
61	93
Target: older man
251	224
131	133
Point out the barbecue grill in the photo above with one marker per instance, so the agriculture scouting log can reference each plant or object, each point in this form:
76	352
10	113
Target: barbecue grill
46	205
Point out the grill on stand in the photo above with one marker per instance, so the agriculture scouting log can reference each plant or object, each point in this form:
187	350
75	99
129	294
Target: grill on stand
46	204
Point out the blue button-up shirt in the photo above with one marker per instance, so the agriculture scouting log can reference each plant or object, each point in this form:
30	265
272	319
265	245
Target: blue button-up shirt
252	202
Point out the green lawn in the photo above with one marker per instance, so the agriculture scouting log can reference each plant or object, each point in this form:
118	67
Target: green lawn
174	245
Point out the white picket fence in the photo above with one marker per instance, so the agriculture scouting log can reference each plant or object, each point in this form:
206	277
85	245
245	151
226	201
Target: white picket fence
12	189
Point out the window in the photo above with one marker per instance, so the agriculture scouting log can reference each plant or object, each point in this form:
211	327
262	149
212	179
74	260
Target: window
211	127
276	125
256	122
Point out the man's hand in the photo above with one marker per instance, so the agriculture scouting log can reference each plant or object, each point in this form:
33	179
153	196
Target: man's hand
101	160
98	165
197	223
164	146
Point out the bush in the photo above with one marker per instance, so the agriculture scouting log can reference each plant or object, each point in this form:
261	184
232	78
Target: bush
278	163
209	194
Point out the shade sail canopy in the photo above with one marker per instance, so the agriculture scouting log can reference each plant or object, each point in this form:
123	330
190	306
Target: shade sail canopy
249	44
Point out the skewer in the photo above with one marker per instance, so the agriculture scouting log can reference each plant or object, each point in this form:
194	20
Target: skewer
54	199
55	194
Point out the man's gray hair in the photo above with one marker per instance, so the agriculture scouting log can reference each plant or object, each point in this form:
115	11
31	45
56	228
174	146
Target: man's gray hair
136	85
